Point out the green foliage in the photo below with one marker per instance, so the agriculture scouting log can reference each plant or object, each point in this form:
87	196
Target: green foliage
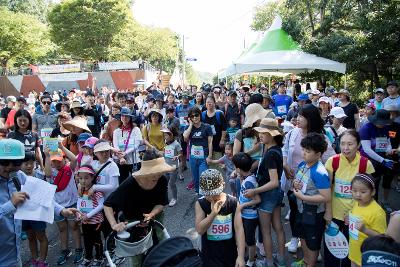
36	8
192	76
22	38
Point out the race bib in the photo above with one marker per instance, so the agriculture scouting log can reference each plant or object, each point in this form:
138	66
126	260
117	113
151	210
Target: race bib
282	109
197	152
169	152
221	228
213	130
302	177
343	189
45	132
182	121
232	137
353	232
381	144
90	120
85	204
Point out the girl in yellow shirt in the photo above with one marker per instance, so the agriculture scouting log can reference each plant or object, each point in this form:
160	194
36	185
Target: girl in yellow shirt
366	218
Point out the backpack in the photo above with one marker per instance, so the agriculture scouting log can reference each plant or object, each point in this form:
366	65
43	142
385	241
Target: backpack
362	167
336	140
218	114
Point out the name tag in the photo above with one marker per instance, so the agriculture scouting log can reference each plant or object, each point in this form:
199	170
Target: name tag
221	228
282	109
302	177
45	132
197	152
169	152
182	121
353	232
343	189
381	144
90	120
85	204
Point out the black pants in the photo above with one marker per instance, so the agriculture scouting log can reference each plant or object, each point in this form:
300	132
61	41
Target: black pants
92	239
384	174
124	171
329	259
293	213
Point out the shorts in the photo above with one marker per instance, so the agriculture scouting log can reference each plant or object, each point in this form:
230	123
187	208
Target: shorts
312	234
270	200
60	218
250	226
33	225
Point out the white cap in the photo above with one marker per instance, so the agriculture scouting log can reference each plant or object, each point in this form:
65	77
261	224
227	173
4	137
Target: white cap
315	92
11	98
337	112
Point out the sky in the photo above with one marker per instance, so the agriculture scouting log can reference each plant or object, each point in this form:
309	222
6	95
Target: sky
216	31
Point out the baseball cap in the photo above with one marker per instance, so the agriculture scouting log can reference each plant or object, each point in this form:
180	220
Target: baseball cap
344	92
379	90
315	92
57	155
376	258
392	83
324	99
90	142
102	146
21	99
232	93
337	112
11	98
211	182
83	137
303	97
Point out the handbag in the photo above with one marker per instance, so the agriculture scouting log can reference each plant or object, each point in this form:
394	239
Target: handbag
309	215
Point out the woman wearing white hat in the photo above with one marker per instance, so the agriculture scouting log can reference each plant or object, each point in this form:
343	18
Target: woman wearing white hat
334	130
76	126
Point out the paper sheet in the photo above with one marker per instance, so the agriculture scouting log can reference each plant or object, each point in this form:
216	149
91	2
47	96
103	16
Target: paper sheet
40	205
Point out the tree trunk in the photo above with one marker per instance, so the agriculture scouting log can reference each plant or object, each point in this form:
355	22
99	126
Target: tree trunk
310	16
375	76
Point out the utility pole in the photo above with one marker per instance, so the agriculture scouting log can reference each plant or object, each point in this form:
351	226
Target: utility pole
183	61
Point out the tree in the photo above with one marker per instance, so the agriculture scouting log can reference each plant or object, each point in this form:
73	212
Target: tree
36	8
22	38
87	28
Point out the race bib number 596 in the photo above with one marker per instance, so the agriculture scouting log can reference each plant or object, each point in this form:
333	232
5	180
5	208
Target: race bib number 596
221	228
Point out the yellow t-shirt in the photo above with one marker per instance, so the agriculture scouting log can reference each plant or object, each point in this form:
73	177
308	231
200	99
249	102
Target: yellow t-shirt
342	199
154	136
373	217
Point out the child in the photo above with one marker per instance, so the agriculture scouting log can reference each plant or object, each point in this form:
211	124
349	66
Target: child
172	154
226	160
92	217
36	230
369	110
231	130
312	190
247	206
366	218
60	174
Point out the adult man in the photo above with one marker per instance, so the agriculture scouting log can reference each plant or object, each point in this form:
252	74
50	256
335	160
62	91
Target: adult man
93	114
233	109
11	154
302	99
181	112
281	101
102	103
11	100
379	95
393	92
44	120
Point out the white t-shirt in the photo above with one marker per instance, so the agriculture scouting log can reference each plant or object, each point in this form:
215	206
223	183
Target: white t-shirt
120	139
68	196
107	181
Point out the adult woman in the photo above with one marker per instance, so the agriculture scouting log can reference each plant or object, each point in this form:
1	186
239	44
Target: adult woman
198	101
216	119
143	195
308	121
200	137
113	122
126	140
353	117
246	100
152	131
76	126
336	128
60	131
23	133
76	108
170	101
62	107
325	106
375	144
341	169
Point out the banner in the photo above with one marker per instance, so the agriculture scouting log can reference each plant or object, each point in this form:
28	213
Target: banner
119	65
63	77
59	68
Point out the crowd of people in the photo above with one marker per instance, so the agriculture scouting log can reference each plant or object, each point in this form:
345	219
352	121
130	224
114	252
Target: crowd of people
249	151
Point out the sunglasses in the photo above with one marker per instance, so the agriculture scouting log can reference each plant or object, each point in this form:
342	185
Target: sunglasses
195	116
46	103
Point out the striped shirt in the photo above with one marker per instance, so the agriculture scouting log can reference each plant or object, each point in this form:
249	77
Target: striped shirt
92	207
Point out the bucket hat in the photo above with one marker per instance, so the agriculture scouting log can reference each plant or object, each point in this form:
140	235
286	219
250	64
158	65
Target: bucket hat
102	146
126	112
253	113
154	166
76	104
154	110
337	112
268	125
380	117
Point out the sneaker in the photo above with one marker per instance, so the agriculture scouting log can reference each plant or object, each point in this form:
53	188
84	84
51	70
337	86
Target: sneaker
117	260
23	235
64	256
78	255
172	202
42	264
279	262
294	242
33	263
299	263
96	263
387	207
85	263
260	247
190	186
250	263
287	217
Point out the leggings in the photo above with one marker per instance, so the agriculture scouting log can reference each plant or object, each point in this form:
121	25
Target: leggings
124	171
92	239
293	213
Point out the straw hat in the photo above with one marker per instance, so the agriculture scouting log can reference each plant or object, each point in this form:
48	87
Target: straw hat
102	146
254	112
77	121
270	126
154	166
156	111
76	104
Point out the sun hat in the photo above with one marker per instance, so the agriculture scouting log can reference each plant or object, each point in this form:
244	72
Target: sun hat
11	149
83	137
344	92
166	130
76	104
57	155
126	112
379	90
268	125
11	98
90	142
211	182
337	112
154	166
154	110
253	113
86	169
376	258
77	121
102	146
380	117
393	107
302	97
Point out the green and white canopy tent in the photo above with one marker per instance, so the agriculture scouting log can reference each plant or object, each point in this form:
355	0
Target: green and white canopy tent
278	52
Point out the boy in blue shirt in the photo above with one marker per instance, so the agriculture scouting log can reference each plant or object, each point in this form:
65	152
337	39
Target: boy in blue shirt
312	189
282	102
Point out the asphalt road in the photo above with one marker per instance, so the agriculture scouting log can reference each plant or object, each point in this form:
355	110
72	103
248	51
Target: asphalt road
179	221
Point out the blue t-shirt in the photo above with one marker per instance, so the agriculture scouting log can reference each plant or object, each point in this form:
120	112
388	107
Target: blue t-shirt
249	183
379	138
281	104
390	101
181	112
199	140
229	166
313	178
